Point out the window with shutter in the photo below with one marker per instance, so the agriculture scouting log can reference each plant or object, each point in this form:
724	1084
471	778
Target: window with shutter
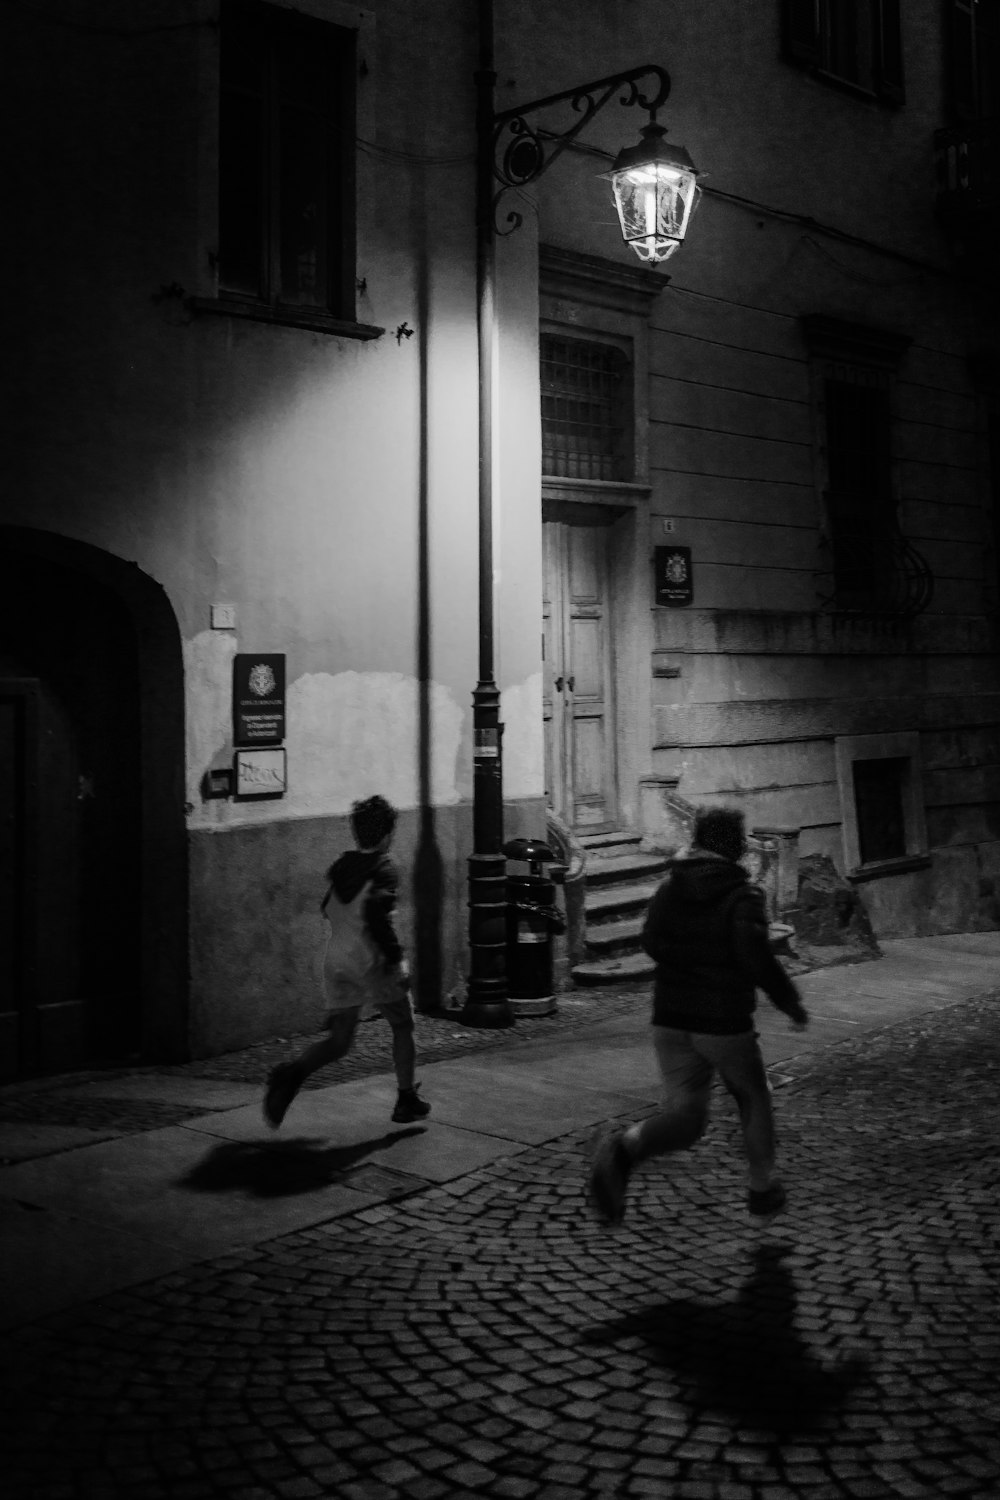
286	160
860	505
857	43
873	568
973	59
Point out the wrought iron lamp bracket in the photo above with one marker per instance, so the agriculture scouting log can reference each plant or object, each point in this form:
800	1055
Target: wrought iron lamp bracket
522	153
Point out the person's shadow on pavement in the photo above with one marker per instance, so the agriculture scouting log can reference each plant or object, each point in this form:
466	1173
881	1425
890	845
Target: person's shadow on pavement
744	1357
279	1169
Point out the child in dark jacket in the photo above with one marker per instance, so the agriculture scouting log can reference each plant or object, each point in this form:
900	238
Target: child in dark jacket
364	971
706	929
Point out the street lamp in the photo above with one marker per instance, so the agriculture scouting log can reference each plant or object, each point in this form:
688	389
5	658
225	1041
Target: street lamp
654	188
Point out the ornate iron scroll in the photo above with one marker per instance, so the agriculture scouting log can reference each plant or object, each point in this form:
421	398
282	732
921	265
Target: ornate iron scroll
521	153
878	574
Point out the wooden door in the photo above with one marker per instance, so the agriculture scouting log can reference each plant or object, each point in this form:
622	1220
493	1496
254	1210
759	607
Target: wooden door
42	1014
577	698
12	737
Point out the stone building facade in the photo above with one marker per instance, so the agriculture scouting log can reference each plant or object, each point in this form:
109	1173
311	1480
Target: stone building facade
241	382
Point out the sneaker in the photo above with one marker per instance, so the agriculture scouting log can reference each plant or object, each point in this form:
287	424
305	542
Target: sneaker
609	1177
763	1202
282	1086
409	1107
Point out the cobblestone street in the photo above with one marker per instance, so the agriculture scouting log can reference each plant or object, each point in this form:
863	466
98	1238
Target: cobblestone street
486	1337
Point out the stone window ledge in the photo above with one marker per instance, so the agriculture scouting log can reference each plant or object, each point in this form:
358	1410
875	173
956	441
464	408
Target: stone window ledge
880	869
286	317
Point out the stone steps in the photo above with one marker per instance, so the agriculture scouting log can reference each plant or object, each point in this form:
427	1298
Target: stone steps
620	879
624	968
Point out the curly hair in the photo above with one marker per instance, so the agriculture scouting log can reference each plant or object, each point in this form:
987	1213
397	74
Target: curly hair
720	830
371	820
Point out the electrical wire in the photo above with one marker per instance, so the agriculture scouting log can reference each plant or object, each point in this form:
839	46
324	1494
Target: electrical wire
806	221
395	153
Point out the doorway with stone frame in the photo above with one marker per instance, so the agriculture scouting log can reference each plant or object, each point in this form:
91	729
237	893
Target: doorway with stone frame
594	320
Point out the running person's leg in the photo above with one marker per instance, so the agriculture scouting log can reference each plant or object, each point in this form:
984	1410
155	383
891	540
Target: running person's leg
687	1084
741	1068
687	1081
287	1078
398	1011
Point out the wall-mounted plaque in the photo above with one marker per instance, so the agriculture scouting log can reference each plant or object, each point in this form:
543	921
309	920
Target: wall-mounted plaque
674	576
258	699
260	773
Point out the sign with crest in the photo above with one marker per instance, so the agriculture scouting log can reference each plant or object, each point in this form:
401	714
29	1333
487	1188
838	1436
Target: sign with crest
258	699
674	576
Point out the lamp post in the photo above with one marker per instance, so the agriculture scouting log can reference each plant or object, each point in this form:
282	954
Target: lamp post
654	187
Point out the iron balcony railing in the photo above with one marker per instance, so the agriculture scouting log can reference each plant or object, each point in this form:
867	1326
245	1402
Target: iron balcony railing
876	572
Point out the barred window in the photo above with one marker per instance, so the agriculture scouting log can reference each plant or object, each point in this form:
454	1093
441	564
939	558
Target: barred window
586	409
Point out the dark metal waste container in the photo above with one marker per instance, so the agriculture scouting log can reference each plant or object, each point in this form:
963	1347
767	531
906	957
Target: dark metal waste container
533	919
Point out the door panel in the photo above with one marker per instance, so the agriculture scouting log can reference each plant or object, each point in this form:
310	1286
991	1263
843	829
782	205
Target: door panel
579	737
42	1019
70	762
11	845
60	1010
590	773
587	654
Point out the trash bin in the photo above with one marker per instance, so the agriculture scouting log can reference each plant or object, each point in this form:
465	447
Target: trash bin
533	919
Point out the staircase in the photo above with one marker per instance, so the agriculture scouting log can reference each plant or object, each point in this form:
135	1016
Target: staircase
619	882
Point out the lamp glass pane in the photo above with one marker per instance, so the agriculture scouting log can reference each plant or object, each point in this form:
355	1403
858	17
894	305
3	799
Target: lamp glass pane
654	205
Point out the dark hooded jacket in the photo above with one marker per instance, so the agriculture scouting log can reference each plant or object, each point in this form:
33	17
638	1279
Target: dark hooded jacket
706	929
348	877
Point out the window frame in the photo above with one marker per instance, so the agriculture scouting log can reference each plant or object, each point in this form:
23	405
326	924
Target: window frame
972	61
621	454
601	301
867	508
343	27
809	41
902	746
854	355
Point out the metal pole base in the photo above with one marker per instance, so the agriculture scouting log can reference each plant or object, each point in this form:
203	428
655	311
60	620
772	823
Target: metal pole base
486	1014
486	997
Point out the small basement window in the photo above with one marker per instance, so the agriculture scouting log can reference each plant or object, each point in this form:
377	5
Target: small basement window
882	805
878	802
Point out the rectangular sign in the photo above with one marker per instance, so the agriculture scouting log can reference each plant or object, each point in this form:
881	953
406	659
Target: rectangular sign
487	746
258	699
674	576
261	773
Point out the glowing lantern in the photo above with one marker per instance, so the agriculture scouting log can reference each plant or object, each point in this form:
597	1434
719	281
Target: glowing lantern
655	187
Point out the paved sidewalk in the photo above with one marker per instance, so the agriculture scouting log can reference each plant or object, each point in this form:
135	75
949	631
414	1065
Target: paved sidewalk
349	1310
194	1171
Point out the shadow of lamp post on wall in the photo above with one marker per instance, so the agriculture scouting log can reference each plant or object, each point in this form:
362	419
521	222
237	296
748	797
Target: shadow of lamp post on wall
655	186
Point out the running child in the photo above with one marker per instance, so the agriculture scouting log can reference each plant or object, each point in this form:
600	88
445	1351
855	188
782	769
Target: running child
364	970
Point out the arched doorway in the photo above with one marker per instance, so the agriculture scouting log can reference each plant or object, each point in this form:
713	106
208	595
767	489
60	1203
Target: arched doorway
92	857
